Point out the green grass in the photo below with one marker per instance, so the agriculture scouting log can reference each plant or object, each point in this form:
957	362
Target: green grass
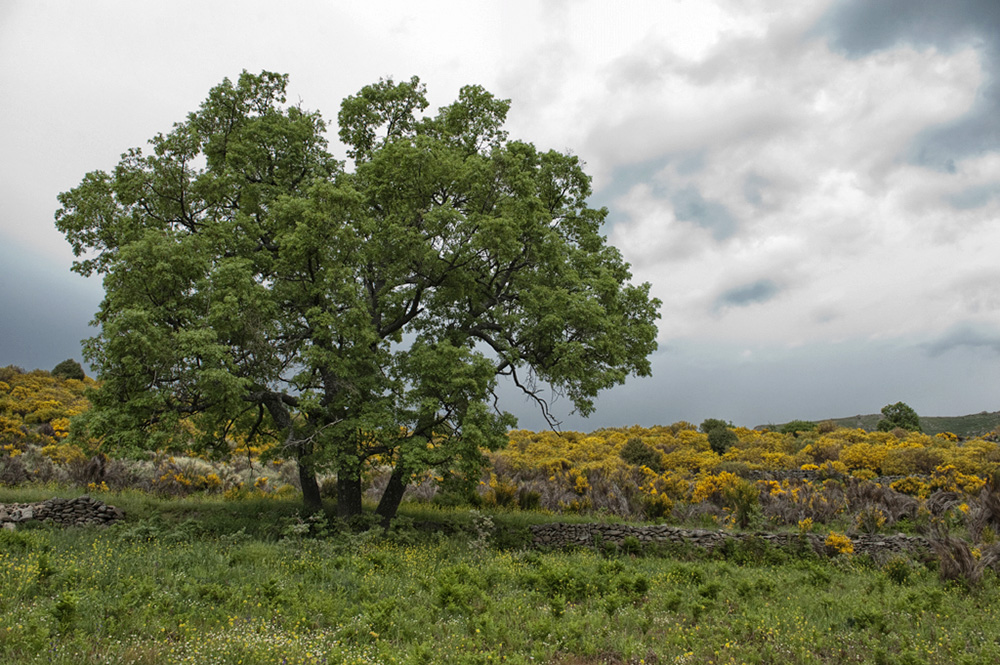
972	425
210	581
976	424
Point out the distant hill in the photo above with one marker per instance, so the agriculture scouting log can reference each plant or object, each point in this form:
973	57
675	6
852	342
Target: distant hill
976	424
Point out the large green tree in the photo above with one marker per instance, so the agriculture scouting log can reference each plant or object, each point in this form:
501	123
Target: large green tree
899	415
256	287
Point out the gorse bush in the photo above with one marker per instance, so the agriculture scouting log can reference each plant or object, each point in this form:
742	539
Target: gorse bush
36	407
844	470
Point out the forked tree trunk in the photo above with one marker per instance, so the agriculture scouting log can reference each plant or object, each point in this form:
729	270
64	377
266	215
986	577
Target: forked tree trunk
393	495
307	473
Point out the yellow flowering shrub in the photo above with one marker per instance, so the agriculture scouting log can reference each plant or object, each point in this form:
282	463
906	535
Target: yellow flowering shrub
838	543
950	479
63	453
211	481
501	491
710	487
911	458
912	486
870	519
672	484
832	468
823	450
863	474
61	427
771	487
864	455
657	505
10	428
976	457
691	460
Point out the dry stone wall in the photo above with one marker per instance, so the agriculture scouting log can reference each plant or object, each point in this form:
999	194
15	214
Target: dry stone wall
559	535
80	511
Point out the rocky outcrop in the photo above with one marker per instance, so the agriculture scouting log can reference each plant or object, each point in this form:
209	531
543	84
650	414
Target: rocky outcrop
559	535
81	511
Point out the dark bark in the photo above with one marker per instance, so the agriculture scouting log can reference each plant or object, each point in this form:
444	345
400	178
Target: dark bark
393	495
310	488
348	493
277	405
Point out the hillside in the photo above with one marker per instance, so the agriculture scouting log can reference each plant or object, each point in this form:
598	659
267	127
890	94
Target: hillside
975	424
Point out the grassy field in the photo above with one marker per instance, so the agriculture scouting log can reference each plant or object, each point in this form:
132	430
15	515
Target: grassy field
201	580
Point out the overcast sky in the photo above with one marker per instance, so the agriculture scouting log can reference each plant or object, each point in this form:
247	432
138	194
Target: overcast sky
811	187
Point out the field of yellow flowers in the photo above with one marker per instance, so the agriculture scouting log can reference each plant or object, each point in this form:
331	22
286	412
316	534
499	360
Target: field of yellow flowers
866	481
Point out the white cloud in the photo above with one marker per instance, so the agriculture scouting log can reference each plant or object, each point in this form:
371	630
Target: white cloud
845	231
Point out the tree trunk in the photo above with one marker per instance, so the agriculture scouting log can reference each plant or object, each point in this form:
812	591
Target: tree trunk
348	493
389	503
276	406
310	488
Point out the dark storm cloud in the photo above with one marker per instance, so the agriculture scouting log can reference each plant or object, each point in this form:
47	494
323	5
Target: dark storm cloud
44	313
860	27
748	294
964	336
691	206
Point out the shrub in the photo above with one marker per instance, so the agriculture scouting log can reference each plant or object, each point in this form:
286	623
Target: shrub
502	492
870	520
898	570
64	453
656	506
797	426
528	499
743	497
721	439
69	369
911	485
838	543
959	562
637	453
632	546
709	424
826	427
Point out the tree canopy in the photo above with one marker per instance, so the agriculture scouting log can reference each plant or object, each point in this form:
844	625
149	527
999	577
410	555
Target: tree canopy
69	369
899	415
255	286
